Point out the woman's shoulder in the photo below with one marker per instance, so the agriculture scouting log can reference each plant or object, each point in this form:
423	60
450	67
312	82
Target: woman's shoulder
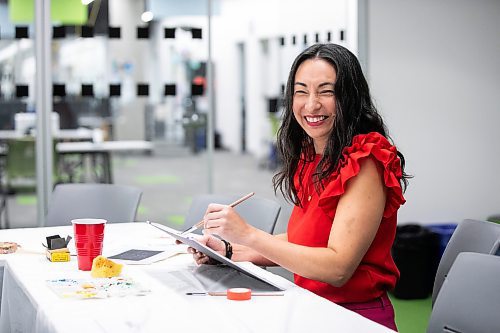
373	145
378	148
371	139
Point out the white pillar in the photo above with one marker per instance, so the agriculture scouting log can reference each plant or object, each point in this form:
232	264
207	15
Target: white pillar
44	145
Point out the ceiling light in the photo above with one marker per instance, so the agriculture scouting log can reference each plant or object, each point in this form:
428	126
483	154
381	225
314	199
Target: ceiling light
147	16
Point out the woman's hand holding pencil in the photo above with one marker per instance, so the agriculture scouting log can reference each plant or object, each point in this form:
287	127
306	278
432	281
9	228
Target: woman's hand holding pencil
202	222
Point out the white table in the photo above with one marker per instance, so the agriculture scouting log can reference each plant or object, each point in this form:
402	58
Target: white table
104	146
28	305
63	134
103	149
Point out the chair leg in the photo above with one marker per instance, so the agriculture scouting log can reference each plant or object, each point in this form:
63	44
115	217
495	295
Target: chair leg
4	211
3	204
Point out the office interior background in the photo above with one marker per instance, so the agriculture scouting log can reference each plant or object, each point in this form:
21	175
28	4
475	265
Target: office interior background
433	69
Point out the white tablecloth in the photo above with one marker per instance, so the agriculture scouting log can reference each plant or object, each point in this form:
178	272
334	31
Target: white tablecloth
28	305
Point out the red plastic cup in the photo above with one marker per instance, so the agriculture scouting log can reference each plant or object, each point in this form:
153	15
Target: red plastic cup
89	236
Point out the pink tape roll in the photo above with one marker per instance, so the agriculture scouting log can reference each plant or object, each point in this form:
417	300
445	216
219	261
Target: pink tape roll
239	294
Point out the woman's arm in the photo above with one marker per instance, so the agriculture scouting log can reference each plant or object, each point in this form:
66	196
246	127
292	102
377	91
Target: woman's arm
355	225
240	252
245	253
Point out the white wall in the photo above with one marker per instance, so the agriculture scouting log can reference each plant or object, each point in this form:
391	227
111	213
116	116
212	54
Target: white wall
434	69
249	22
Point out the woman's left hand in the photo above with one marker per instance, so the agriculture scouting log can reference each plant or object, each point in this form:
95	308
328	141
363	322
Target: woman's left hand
211	242
224	221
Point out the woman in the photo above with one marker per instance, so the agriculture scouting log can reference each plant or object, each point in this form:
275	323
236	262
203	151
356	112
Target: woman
346	181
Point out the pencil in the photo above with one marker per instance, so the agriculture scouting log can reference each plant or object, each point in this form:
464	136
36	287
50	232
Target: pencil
223	293
199	224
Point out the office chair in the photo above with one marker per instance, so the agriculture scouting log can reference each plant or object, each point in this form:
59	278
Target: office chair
469	298
114	203
20	164
260	212
469	236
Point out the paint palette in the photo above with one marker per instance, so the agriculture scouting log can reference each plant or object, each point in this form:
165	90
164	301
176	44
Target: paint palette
97	288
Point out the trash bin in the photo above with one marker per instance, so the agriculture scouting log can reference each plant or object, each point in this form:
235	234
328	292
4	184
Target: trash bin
494	218
444	232
414	251
200	139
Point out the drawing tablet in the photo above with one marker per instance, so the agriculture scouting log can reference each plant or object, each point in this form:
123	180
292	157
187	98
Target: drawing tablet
214	255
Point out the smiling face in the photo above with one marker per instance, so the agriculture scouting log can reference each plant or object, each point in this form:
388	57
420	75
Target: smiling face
314	100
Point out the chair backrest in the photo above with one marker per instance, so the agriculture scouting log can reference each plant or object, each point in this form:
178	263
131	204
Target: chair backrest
469	298
260	212
20	163
115	203
469	236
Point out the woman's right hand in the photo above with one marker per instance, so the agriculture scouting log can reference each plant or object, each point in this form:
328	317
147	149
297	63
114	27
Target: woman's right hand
212	242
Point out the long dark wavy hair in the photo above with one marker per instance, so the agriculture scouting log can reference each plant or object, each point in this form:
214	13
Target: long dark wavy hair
355	114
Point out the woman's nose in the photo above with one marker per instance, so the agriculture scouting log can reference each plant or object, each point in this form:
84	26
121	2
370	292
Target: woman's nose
312	102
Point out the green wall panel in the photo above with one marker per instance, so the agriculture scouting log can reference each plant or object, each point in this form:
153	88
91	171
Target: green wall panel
70	12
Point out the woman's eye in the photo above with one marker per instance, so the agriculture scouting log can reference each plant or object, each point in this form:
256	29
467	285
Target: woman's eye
300	92
327	93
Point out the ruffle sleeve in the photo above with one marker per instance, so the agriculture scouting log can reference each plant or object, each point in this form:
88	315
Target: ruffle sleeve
377	147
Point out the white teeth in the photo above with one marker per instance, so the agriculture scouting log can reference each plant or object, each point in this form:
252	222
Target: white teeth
315	119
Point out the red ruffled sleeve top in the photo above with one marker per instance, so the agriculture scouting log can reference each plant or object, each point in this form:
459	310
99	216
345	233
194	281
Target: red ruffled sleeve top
310	225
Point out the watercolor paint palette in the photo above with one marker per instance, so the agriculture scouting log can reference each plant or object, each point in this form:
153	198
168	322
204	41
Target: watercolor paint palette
97	288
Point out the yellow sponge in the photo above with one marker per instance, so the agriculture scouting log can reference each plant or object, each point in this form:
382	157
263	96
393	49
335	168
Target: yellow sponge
105	268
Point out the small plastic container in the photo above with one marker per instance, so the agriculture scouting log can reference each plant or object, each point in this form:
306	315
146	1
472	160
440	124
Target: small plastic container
444	231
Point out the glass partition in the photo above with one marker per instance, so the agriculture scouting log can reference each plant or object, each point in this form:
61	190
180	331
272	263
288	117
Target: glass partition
134	73
17	149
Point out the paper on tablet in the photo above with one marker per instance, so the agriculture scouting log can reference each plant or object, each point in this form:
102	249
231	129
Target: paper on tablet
145	256
188	240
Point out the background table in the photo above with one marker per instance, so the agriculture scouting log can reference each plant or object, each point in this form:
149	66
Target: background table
77	134
28	305
100	153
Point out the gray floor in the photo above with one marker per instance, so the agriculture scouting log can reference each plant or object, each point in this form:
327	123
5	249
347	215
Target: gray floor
170	182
